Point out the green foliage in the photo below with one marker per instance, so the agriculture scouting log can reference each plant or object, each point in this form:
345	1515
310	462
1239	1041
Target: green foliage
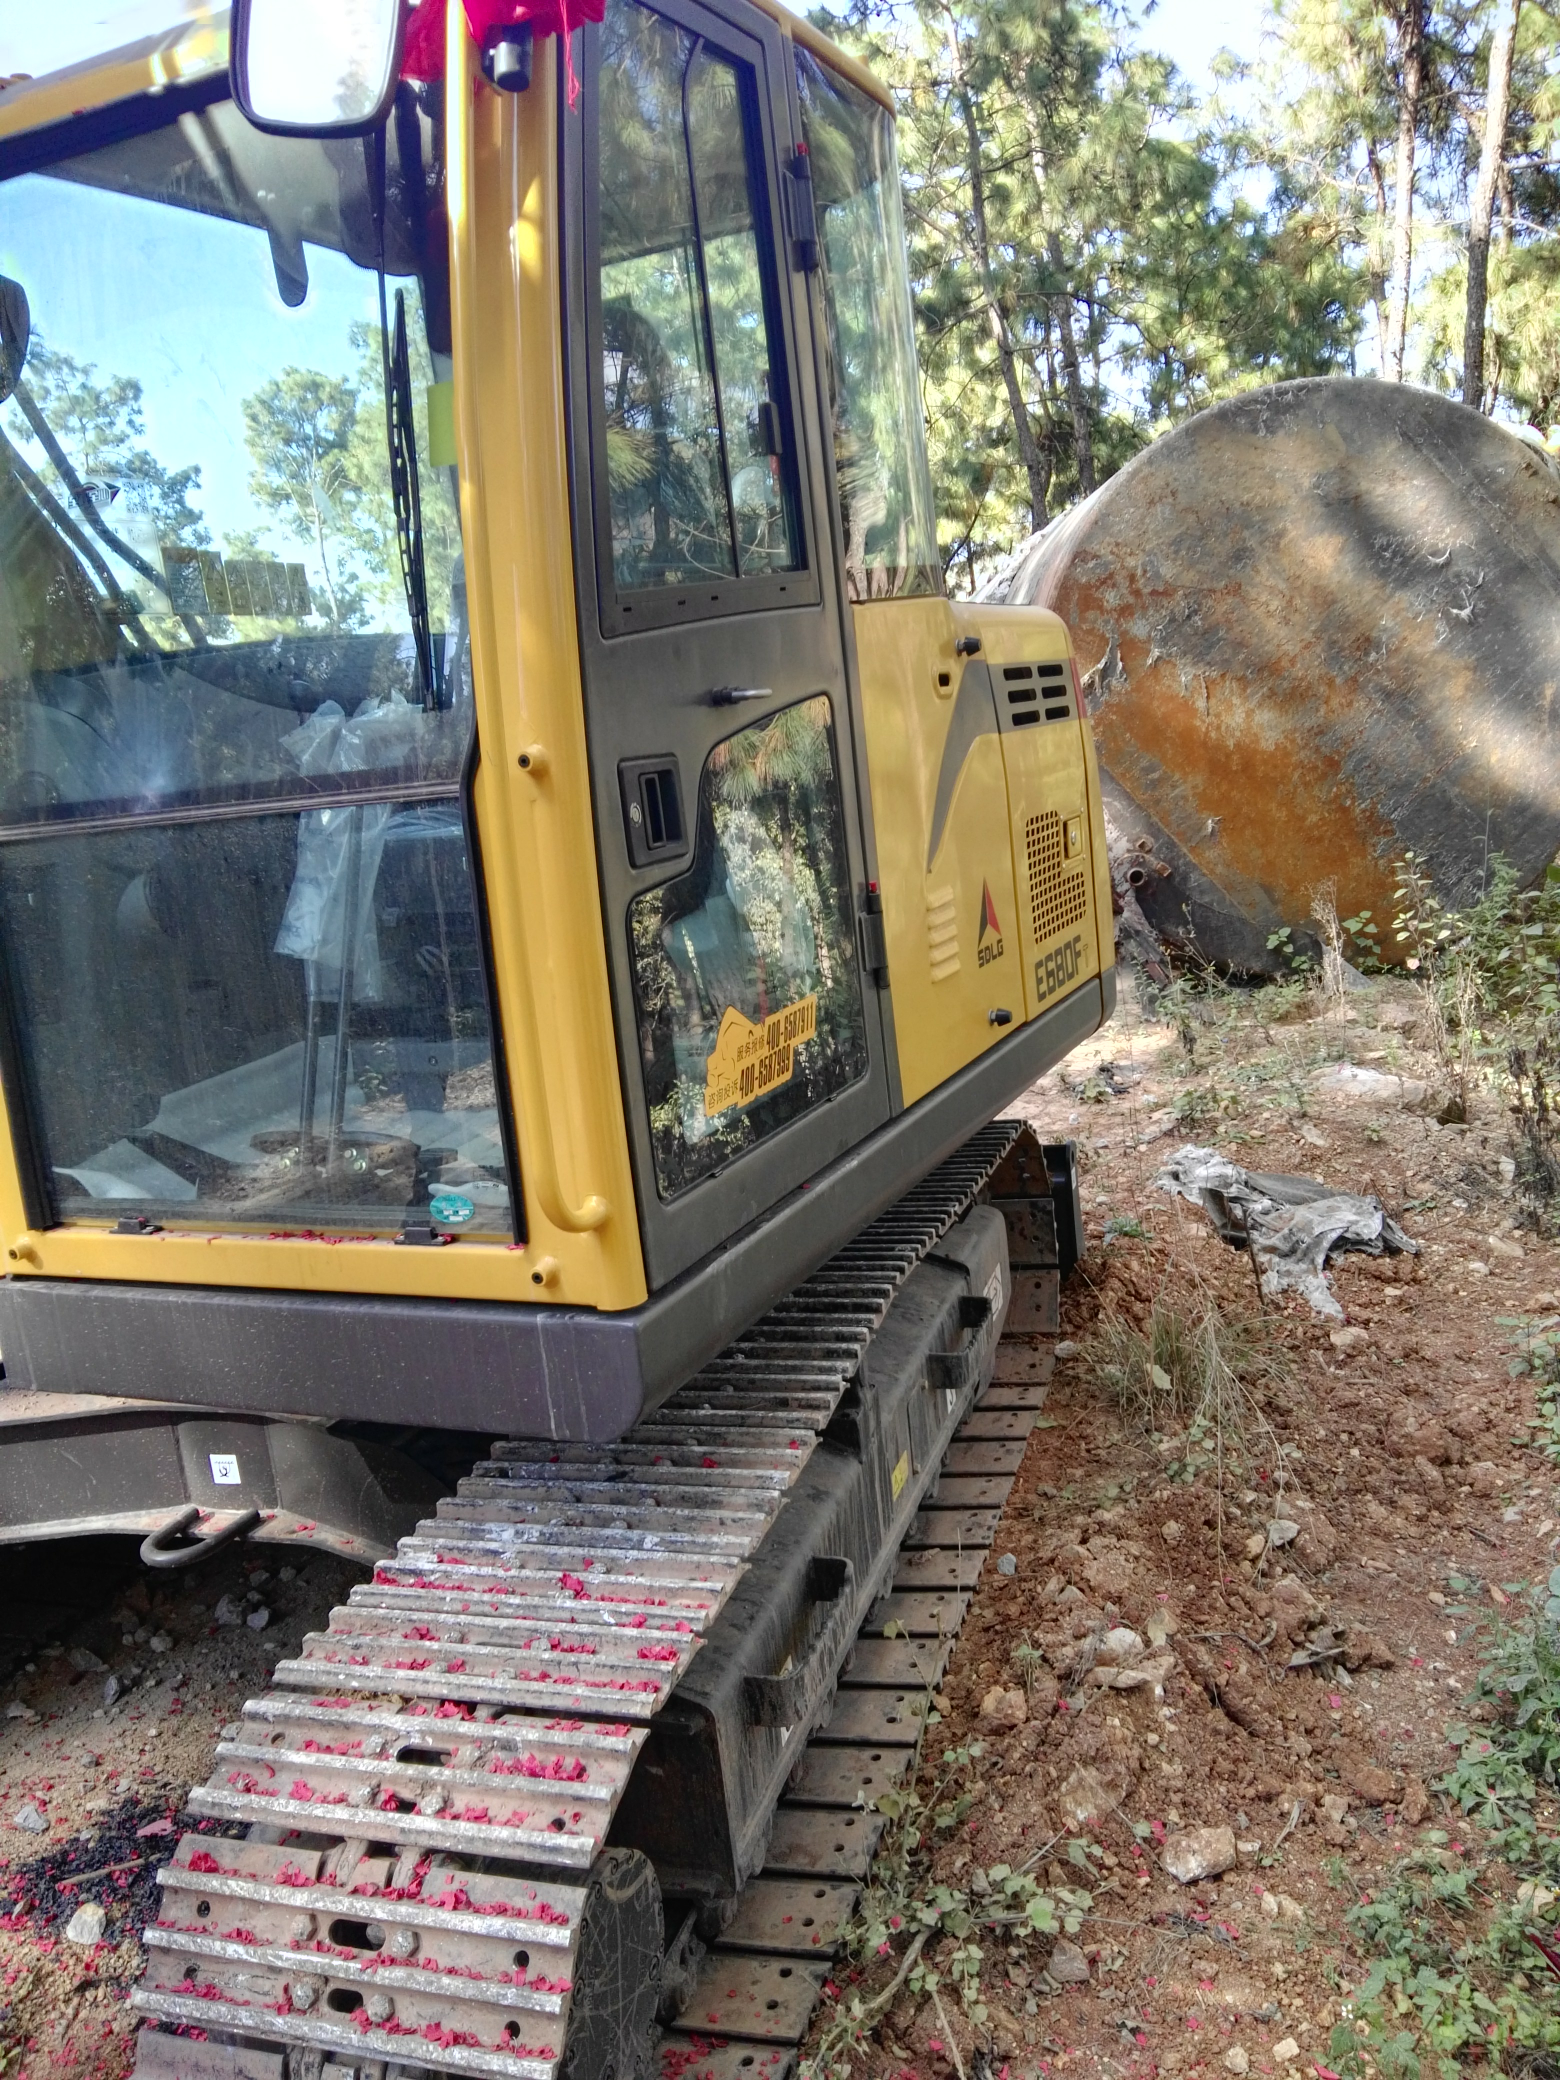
1537	1357
929	1929
1509	936
1445	1980
1449	1974
1087	263
1503	1763
1295	958
299	428
1096	254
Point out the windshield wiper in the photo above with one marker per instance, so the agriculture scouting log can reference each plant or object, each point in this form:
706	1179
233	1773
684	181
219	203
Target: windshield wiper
401	441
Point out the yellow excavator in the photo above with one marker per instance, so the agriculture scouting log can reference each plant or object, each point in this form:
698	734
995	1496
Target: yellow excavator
521	900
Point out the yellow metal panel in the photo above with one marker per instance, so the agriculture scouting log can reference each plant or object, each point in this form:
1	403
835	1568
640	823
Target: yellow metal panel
1050	786
193	50
947	967
532	794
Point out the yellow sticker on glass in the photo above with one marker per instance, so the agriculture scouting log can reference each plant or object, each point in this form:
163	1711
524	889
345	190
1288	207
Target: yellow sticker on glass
748	1061
900	1475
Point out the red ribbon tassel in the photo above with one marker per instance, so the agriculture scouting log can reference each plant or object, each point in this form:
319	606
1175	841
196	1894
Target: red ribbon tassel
424	53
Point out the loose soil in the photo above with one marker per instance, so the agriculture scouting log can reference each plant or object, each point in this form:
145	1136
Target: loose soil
1404	1459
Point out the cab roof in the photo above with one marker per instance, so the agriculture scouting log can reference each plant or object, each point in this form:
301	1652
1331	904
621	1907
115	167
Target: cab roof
196	49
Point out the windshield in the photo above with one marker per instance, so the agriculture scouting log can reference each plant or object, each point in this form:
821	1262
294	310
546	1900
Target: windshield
194	478
239	923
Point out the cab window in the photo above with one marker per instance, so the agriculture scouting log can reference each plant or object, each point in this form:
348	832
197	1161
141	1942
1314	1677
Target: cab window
692	421
887	515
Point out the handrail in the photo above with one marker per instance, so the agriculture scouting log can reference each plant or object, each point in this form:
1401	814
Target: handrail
541	1169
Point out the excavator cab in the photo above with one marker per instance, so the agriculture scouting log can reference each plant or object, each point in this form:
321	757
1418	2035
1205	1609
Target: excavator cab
508	856
520	902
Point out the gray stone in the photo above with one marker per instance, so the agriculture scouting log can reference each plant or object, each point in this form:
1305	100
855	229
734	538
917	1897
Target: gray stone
1199	1852
1067	1964
86	1926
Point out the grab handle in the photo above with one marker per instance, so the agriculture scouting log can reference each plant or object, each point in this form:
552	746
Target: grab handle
784	1700
953	1371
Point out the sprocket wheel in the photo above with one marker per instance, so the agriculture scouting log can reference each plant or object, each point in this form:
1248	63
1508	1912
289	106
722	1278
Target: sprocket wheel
617	1974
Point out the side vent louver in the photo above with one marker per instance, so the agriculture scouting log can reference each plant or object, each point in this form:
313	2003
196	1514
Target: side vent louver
942	933
1033	690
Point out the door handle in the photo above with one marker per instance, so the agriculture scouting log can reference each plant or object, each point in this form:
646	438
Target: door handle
728	696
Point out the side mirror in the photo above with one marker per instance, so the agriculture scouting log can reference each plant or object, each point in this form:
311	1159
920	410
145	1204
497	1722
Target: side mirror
304	70
15	334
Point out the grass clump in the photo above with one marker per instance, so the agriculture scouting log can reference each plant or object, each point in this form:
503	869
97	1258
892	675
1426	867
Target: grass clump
1194	1375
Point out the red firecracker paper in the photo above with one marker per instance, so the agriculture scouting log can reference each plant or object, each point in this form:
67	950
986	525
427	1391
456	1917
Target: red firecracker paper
424	55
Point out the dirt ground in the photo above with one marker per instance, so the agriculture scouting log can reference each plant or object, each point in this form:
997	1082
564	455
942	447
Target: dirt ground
1406	1464
1402	1457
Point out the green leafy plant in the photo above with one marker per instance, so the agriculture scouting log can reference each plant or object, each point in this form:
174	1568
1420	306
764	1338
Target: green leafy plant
1443	1983
1293	957
1537	1357
935	1928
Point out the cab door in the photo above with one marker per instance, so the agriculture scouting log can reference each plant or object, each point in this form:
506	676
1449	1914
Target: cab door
722	741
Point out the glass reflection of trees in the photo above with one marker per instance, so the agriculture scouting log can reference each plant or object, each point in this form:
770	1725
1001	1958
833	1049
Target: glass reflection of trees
760	921
686	351
887	513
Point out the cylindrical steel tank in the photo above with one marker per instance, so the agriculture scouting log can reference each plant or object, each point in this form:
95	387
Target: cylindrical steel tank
1320	627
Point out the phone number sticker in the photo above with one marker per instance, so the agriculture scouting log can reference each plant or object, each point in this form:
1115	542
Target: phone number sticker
749	1060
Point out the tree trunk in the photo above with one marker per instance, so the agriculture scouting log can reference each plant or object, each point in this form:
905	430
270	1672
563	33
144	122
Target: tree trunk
1037	467
1083	432
1378	277
1410	17
319	540
1497	102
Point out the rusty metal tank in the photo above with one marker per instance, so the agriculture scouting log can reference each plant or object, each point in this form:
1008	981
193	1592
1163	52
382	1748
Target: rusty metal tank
1320	628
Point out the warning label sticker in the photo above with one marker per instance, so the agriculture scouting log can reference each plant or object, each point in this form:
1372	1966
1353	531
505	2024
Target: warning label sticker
748	1061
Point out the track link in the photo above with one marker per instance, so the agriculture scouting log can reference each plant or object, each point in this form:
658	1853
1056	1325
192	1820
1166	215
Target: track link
431	1779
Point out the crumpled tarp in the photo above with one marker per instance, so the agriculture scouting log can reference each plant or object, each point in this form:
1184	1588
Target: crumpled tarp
1295	1223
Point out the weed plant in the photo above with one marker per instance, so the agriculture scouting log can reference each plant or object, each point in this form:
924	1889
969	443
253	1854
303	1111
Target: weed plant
904	1910
1454	1971
1448	1982
1199	1376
